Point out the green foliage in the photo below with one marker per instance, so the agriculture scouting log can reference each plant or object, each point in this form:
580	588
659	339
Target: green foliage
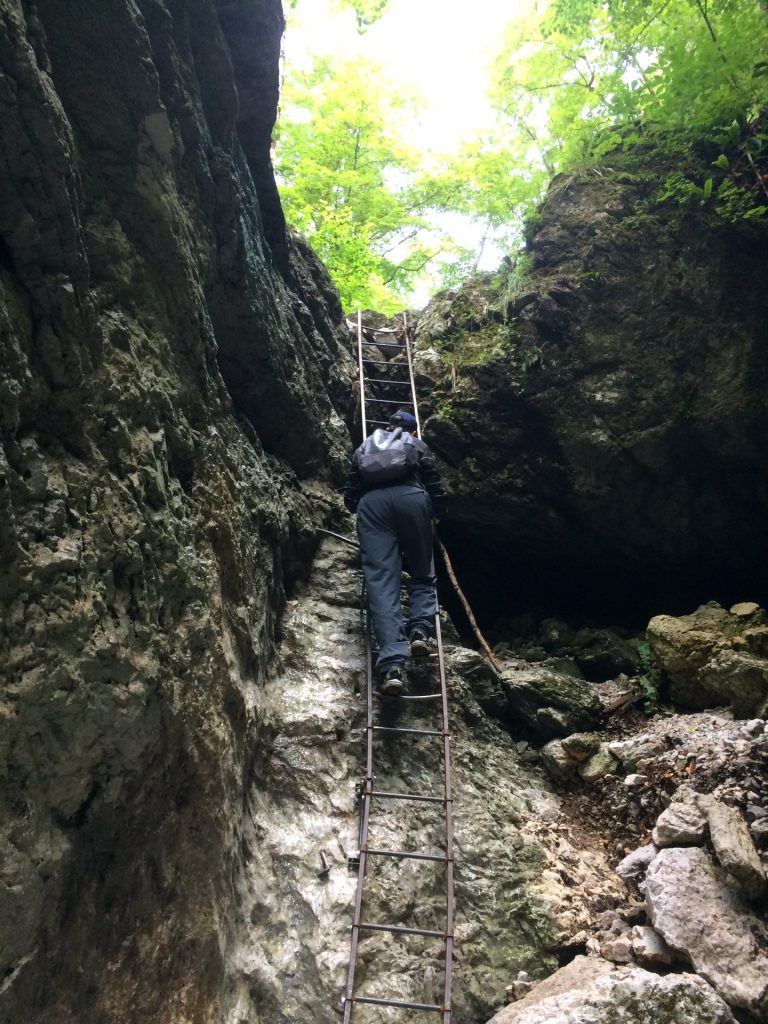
348	180
517	279
592	77
578	86
736	188
366	12
648	678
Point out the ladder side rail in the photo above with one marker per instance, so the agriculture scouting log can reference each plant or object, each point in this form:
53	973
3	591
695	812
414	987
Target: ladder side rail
360	370
406	334
448	792
363	833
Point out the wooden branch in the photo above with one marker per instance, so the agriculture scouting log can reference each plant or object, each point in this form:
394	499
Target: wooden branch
473	622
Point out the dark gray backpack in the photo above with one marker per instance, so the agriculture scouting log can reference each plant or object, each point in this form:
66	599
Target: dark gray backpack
387	456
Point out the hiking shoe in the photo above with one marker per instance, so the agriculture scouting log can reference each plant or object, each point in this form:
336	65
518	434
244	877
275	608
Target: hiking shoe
420	645
393	682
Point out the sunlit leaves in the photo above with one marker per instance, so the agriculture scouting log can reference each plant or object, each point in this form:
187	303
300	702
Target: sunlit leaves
591	66
366	11
348	181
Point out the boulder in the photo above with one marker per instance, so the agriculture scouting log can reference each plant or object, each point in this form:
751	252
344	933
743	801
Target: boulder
680	824
709	659
601	763
592	991
739	679
746	610
603	654
548	703
735	849
648	947
618	950
581	745
558	762
631	751
635	864
698	915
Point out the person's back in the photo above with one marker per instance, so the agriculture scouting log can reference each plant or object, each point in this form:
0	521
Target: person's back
396	497
420	470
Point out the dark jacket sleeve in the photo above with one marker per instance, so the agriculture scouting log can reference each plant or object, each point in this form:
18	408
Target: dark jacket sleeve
353	488
430	477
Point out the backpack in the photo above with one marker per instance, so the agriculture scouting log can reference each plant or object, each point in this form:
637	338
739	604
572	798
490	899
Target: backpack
386	457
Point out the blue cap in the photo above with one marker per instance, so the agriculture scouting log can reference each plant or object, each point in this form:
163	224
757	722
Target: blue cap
403	419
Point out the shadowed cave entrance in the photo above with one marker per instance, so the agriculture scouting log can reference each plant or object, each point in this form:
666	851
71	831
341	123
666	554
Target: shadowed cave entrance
505	580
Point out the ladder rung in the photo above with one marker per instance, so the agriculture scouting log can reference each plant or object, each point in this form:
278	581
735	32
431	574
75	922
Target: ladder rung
421	696
396	1002
377	380
381	362
408	796
410	732
398	929
405	855
387	401
385	344
384	423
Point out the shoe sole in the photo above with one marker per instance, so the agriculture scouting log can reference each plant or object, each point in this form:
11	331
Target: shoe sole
392	688
419	649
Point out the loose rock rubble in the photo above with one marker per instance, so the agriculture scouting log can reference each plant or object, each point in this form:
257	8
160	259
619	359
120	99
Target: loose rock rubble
590	991
680	800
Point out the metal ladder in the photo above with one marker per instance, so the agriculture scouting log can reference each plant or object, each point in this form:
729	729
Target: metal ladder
369	795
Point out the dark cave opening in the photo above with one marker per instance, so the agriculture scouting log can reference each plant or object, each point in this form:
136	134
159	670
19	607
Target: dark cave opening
6	259
507	584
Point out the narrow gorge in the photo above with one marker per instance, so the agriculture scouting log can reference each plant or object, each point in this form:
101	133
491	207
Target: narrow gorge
180	713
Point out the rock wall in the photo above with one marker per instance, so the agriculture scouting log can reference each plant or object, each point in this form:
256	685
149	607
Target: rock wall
602	407
172	369
526	885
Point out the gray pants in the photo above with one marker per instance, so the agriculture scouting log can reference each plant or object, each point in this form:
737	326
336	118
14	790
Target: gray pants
393	522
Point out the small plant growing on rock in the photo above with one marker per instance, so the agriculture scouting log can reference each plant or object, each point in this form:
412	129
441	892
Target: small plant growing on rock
648	678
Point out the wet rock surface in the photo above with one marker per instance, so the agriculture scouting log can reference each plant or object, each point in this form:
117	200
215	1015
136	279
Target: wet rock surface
525	884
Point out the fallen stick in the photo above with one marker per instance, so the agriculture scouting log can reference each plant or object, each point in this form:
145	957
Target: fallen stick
473	622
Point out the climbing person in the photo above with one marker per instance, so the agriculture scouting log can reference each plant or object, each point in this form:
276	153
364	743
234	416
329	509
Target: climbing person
396	490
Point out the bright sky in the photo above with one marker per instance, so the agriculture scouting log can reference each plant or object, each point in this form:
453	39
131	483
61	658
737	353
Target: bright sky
442	47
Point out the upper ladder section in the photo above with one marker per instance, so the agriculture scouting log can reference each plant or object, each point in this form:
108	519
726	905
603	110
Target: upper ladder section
379	395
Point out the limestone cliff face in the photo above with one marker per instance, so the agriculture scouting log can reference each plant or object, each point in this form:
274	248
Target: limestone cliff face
526	885
171	378
602	409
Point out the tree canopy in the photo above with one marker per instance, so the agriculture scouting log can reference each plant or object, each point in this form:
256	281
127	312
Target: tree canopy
350	183
570	86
